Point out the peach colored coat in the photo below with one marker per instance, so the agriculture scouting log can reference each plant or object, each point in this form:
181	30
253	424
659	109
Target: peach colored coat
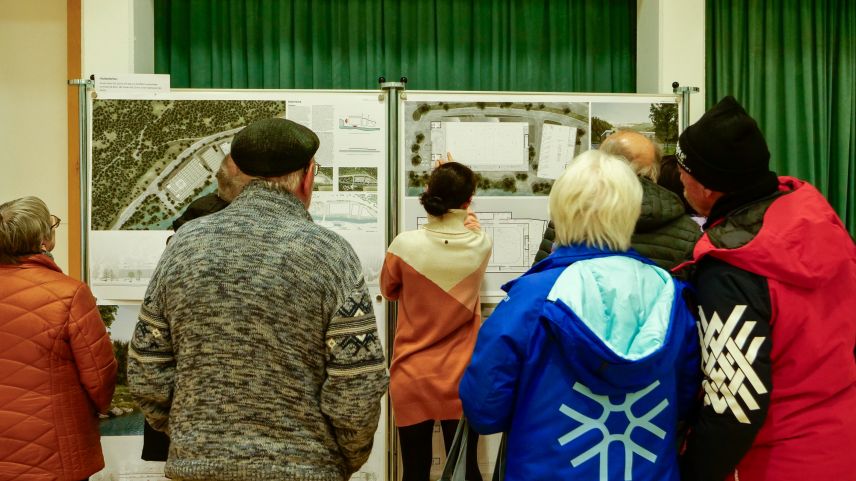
57	370
435	273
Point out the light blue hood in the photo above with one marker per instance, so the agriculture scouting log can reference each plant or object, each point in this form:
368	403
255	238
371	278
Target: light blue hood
626	303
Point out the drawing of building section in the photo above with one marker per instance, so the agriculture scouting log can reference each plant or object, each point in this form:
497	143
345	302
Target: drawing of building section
483	146
342	212
359	151
358	122
515	240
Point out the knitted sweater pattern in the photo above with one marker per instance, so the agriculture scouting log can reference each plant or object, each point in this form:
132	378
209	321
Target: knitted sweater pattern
257	348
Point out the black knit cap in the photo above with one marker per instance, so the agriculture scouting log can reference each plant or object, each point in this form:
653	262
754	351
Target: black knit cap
725	150
273	147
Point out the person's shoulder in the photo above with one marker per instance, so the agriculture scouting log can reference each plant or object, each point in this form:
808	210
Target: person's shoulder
333	246
407	240
536	285
714	274
52	283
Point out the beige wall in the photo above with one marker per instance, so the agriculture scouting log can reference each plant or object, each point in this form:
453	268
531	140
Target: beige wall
670	47
33	118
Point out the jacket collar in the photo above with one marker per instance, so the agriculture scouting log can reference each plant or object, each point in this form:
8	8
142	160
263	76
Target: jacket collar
451	222
659	206
36	260
764	187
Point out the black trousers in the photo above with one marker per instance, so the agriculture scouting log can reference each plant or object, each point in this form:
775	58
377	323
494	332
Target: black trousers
155	444
416	450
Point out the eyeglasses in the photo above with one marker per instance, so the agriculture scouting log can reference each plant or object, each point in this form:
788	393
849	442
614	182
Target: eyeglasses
314	168
55	221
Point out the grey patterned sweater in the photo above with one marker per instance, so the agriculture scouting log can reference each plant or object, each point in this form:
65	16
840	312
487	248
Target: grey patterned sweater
257	348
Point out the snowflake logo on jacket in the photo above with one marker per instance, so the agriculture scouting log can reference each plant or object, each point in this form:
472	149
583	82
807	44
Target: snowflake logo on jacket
601	449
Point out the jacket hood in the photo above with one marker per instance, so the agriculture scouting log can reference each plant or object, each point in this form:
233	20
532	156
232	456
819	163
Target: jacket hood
659	206
611	313
799	241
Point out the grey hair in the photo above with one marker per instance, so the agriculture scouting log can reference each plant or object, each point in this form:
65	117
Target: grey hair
25	224
289	182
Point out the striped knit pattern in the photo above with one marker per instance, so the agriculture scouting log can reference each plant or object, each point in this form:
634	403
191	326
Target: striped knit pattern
257	347
435	274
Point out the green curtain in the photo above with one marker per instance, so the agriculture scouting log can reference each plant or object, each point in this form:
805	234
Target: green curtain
792	64
507	45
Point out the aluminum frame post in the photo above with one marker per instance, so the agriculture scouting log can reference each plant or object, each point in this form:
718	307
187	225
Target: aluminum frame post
393	92
83	86
685	102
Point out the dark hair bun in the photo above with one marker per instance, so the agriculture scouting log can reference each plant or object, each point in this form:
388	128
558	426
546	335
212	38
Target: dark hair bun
433	205
449	186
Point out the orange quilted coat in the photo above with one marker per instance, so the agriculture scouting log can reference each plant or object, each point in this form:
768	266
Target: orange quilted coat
57	370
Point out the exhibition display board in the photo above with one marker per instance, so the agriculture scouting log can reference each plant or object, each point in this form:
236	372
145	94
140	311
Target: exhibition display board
150	157
517	144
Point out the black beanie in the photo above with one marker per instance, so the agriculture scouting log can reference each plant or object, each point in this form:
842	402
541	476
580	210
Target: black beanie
725	150
273	147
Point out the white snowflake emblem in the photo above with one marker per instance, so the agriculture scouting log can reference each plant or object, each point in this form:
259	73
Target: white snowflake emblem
602	448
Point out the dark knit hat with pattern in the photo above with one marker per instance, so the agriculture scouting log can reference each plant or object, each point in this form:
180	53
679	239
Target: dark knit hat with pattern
273	147
725	150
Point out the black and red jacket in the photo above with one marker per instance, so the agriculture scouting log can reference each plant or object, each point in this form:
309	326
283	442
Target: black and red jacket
776	293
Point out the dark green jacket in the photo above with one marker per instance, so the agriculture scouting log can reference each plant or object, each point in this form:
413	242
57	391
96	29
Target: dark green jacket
664	232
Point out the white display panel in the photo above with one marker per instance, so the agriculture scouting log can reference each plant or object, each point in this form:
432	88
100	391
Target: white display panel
150	158
517	144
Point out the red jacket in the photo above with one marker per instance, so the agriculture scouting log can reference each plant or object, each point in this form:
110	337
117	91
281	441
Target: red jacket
57	370
780	282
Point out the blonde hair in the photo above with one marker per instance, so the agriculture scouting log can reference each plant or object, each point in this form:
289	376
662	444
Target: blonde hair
596	201
24	224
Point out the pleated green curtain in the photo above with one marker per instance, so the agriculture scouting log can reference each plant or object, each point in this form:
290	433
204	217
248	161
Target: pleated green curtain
792	64
508	45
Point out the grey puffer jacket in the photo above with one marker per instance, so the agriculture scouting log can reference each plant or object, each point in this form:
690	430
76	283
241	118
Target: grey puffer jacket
664	232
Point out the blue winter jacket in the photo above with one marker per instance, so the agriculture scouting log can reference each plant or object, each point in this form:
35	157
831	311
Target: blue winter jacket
588	364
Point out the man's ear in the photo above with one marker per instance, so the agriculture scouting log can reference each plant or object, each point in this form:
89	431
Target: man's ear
304	192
